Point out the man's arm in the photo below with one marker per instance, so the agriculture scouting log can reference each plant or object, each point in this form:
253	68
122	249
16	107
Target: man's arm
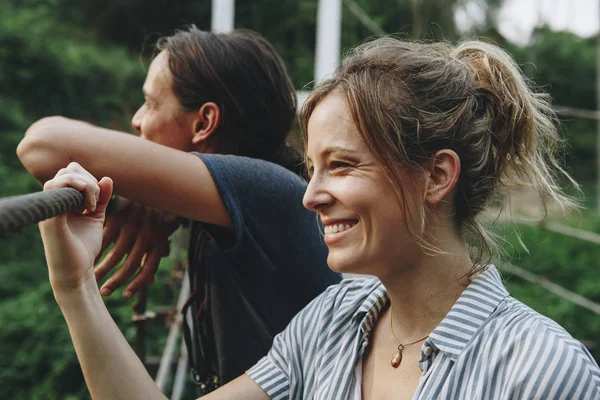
142	171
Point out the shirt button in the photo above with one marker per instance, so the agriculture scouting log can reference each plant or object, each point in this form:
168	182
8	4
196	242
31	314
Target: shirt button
427	350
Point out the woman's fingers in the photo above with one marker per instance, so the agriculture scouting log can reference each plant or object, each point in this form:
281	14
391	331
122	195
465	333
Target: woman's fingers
72	239
105	189
75	176
90	189
66	180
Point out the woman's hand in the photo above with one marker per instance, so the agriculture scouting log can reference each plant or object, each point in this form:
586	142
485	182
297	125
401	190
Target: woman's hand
72	240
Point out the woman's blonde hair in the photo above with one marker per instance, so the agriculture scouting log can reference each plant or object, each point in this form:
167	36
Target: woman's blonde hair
408	100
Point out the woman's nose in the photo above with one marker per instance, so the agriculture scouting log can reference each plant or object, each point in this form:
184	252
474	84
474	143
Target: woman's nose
317	196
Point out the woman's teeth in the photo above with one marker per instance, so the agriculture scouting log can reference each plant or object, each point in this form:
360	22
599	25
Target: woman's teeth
337	228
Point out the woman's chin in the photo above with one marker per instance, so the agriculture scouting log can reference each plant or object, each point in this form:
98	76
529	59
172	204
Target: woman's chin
343	264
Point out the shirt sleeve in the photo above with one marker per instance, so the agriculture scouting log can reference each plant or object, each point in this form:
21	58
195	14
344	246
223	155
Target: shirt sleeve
291	360
264	201
555	366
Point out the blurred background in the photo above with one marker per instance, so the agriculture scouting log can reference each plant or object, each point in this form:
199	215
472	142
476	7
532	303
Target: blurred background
87	60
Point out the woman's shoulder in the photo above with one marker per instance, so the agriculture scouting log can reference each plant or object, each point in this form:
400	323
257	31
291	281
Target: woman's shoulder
525	335
523	320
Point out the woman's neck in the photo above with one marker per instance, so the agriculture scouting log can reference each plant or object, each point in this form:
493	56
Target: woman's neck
423	294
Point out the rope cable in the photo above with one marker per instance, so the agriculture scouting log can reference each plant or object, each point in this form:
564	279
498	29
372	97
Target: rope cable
19	211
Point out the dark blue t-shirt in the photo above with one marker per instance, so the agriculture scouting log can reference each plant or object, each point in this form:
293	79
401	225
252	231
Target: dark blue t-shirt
264	272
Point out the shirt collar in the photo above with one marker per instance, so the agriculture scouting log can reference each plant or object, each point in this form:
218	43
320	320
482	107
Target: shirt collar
468	315
371	308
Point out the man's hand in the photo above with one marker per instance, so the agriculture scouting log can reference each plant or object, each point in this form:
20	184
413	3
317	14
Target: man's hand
143	234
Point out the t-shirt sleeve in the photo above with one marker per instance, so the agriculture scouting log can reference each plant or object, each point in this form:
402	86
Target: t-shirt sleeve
264	202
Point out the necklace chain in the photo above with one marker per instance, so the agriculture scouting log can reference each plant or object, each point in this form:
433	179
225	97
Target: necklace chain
397	357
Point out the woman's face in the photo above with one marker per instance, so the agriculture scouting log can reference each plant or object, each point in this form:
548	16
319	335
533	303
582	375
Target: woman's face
365	229
162	119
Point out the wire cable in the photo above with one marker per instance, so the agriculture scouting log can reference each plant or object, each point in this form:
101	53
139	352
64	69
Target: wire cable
18	212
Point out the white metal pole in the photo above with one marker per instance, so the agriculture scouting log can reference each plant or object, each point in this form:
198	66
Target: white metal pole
329	27
166	360
181	374
598	122
223	16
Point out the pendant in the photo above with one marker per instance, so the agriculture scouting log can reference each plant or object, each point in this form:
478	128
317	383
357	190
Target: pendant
396	359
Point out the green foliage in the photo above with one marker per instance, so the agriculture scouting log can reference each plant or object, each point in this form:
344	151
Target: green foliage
38	357
569	262
50	73
81	61
45	70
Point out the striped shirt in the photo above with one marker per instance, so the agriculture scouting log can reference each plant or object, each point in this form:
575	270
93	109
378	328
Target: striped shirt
489	346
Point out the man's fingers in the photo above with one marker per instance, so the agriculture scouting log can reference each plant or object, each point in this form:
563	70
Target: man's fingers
113	226
146	274
129	267
114	257
109	235
109	262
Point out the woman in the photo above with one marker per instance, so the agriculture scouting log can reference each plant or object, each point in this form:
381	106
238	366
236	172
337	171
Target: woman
405	145
256	256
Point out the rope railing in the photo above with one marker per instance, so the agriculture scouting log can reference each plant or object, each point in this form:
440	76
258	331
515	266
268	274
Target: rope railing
552	287
557	227
18	212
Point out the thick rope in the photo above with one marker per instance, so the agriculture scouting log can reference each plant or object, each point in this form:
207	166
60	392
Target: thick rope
19	211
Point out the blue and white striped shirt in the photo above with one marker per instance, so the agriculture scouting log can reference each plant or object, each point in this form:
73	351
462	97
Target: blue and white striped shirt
489	346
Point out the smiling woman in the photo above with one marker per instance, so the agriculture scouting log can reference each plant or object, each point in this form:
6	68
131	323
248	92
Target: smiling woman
349	190
405	146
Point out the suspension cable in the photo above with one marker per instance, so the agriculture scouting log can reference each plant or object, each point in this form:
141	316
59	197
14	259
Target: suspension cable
19	211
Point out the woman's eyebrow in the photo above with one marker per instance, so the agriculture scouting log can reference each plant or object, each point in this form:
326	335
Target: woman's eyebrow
333	149
339	149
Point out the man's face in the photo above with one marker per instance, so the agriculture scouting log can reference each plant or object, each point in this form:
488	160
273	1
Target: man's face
162	119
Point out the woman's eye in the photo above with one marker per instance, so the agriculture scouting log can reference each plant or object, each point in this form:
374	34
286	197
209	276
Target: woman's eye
339	164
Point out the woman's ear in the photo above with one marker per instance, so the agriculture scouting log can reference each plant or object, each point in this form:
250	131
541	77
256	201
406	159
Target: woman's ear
206	122
443	171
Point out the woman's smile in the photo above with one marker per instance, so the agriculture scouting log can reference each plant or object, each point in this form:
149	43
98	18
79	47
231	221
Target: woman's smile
335	230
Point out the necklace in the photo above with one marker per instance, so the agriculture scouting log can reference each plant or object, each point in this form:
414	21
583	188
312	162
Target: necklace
397	357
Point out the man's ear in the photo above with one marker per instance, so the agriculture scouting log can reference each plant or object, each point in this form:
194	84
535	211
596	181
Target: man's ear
443	171
206	122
